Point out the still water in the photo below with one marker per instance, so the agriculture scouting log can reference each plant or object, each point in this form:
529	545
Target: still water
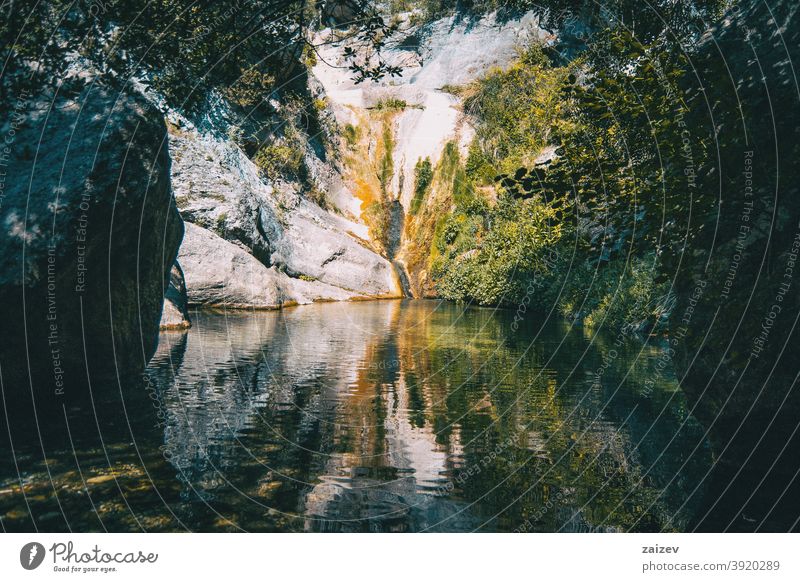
373	416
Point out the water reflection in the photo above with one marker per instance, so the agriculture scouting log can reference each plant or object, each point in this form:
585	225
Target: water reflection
379	416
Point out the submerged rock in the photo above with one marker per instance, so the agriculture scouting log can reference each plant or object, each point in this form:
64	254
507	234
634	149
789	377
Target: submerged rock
89	234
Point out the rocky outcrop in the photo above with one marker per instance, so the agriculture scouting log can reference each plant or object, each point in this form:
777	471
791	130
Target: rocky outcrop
89	234
735	326
273	218
438	56
175	314
401	121
220	274
219	188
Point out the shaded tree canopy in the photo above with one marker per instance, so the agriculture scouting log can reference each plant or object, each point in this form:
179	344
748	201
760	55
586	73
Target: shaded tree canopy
184	47
645	20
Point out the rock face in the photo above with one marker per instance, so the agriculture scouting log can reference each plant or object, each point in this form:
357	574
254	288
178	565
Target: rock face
307	251
220	274
219	188
398	122
735	325
175	314
89	234
452	52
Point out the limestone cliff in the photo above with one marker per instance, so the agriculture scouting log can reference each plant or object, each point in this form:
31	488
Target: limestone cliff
391	127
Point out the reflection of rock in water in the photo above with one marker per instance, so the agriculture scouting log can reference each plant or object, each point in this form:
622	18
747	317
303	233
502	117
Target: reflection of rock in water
369	505
215	377
374	416
229	376
392	481
210	386
399	416
409	497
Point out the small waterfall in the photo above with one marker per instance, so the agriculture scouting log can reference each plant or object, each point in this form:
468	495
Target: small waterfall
402	276
397	218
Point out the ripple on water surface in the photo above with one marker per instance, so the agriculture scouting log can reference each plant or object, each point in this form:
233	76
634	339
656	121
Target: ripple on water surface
375	416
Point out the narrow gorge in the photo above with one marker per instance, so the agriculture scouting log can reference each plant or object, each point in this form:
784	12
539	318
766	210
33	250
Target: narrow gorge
402	137
316	237
405	265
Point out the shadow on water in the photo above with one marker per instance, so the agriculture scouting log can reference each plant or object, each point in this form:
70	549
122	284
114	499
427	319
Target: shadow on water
373	416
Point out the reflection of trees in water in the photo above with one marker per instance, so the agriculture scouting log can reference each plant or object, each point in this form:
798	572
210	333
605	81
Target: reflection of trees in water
382	416
372	416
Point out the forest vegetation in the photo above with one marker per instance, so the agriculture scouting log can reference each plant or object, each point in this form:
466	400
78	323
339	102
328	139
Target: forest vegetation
589	231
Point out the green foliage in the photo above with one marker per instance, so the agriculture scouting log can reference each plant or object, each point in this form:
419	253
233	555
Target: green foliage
379	216
390	104
220	225
281	158
386	164
582	233
250	89
320	104
613	294
646	20
457	90
423	176
351	135
183	47
448	165
491	255
479	166
452	173
635	300
309	57
518	110
627	157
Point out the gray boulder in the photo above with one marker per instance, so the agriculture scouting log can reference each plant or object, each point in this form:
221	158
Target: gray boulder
219	188
221	274
89	234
